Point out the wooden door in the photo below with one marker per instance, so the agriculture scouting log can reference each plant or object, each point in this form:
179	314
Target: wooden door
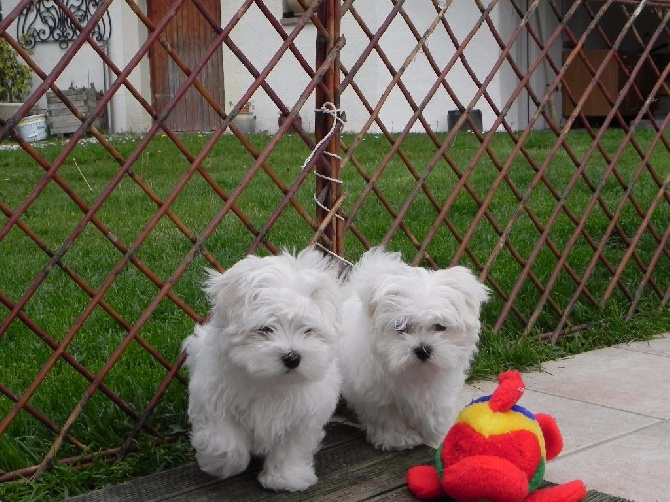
190	35
577	78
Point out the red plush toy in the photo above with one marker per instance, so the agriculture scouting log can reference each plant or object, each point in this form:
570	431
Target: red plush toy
496	452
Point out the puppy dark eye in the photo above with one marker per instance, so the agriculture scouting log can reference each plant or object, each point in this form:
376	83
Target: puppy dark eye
439	327
309	332
265	330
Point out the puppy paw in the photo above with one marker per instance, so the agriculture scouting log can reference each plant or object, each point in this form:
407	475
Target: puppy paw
292	480
394	441
223	465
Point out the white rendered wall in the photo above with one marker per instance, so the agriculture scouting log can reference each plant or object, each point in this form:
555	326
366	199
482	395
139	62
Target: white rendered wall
288	79
259	41
86	68
128	34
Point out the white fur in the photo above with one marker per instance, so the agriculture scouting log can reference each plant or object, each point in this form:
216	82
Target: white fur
243	398
391	310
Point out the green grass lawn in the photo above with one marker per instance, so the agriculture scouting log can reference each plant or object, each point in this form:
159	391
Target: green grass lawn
58	301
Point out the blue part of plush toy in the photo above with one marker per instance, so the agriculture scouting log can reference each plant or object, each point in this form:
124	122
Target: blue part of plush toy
516	407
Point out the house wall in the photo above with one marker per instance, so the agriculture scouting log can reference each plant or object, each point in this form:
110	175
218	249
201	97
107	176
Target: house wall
128	34
543	23
373	77
256	37
86	68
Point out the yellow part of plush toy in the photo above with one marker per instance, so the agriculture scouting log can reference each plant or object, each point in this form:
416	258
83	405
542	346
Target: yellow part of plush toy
487	422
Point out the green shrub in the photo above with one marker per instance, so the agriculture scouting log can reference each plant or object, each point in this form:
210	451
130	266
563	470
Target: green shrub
15	77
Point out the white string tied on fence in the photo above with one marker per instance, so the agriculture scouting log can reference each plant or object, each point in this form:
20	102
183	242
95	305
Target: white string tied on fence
338	121
339	118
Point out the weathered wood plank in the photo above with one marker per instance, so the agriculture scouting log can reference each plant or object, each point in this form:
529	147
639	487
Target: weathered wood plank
349	471
61	119
348	468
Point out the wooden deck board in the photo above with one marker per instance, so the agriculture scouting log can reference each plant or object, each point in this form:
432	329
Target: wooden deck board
348	468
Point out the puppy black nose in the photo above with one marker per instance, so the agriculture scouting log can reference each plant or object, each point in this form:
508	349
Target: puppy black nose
291	359
423	352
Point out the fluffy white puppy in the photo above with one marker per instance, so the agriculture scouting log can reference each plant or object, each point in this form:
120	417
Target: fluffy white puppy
263	374
408	337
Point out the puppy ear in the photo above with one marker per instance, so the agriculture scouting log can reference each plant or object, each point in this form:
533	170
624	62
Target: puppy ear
310	257
464	281
369	276
321	278
313	258
326	297
230	291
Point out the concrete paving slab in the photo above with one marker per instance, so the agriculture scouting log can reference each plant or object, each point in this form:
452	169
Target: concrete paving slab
613	408
660	346
584	424
633	466
581	424
475	390
637	382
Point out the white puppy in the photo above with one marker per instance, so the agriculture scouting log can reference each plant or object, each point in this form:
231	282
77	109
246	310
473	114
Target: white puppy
409	335
263	374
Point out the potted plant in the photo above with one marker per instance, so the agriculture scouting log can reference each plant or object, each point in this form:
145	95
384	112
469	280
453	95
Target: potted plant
15	80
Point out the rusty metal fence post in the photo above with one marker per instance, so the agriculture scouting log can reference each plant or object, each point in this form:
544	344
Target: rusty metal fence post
328	121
